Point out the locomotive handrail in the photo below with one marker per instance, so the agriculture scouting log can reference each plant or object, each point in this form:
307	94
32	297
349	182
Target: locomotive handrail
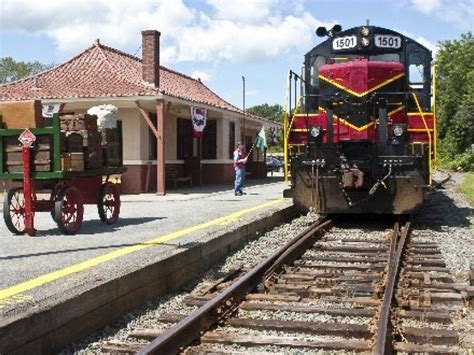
293	117
415	97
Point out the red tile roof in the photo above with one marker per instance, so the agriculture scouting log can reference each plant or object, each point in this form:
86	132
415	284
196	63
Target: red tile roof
102	71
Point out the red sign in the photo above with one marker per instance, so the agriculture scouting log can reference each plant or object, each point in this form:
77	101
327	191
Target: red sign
27	138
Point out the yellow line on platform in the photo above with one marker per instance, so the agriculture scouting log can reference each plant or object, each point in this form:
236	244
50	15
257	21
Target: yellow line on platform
43	279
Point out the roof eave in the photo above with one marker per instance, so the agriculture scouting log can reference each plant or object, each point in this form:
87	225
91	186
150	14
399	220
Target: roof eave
228	113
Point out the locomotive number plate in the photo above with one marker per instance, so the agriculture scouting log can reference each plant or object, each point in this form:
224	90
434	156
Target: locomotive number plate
344	42
386	41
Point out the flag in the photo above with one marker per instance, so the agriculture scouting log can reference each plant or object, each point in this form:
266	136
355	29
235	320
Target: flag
50	109
261	142
274	140
198	119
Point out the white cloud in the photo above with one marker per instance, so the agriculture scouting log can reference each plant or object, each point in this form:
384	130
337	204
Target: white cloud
428	44
204	76
252	11
75	24
426	6
228	40
459	13
236	31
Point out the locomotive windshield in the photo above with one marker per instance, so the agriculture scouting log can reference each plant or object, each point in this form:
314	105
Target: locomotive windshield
386	57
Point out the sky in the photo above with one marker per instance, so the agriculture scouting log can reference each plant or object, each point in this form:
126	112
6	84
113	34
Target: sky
218	41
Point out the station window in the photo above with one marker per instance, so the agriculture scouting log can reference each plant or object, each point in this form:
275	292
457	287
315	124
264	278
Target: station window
184	138
209	140
231	139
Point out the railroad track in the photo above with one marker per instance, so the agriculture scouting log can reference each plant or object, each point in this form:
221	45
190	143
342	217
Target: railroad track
326	289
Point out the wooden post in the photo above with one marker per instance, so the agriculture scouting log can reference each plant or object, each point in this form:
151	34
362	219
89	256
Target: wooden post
159	133
161	113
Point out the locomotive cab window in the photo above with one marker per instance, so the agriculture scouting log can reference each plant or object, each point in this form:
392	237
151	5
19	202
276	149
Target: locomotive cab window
317	63
415	68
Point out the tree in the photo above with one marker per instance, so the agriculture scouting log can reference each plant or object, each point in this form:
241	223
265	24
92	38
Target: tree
270	112
11	70
455	96
273	113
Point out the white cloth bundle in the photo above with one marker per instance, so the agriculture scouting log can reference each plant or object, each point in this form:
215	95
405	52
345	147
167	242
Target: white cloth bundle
106	115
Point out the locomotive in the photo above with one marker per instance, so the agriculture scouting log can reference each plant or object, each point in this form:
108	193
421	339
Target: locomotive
361	136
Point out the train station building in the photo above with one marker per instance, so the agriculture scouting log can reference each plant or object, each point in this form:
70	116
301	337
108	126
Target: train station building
155	107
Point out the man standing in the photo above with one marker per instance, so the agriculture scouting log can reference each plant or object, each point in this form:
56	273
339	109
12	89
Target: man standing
239	166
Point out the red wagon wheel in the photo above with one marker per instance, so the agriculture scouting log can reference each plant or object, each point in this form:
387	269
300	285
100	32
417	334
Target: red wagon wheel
108	203
14	210
68	210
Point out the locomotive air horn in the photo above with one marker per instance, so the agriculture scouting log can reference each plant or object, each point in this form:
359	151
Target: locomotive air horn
321	31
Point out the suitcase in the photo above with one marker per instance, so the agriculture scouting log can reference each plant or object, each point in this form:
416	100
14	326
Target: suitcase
72	161
41	154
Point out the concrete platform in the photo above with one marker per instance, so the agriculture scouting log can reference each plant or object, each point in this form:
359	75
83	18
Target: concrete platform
158	245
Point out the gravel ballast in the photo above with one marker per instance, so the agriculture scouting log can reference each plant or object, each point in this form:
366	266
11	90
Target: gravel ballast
445	219
145	317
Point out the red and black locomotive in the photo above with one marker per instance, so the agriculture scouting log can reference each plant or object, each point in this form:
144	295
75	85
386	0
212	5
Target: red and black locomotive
362	137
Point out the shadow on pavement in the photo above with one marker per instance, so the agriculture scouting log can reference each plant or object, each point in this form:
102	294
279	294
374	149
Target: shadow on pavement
95	226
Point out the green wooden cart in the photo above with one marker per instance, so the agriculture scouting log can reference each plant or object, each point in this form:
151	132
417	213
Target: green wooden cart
69	190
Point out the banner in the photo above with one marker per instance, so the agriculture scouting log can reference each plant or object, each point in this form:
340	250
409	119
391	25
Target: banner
198	118
50	109
274	140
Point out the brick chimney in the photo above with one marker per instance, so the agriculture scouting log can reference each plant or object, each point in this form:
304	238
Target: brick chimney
151	57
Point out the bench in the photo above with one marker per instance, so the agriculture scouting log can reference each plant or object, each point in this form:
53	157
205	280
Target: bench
173	177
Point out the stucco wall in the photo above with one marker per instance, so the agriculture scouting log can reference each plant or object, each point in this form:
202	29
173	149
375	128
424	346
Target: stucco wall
171	136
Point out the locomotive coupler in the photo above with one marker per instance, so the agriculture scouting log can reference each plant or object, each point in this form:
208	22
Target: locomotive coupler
352	178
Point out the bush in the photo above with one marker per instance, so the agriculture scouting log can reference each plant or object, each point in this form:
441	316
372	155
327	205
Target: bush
467	188
464	162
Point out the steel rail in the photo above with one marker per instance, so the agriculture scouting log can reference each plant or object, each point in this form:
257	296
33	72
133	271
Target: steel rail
190	328
399	237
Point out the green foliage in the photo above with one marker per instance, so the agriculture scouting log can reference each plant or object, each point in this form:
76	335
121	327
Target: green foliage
273	113
270	112
11	70
461	162
455	101
467	188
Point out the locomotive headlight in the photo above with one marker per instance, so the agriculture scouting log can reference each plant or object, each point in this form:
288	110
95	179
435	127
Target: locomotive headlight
398	131
315	131
365	42
365	31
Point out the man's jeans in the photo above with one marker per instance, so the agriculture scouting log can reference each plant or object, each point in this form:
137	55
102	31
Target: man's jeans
239	179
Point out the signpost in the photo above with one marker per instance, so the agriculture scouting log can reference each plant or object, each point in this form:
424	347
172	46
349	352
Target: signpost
27	140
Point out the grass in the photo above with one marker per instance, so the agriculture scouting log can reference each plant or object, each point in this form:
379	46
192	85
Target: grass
467	187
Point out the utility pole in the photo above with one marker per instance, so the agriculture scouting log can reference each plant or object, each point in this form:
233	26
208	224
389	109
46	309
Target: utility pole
243	108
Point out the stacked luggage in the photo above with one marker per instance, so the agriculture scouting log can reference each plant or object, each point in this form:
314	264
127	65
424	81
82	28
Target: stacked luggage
87	146
88	141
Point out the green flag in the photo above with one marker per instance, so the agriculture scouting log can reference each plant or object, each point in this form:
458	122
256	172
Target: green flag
261	142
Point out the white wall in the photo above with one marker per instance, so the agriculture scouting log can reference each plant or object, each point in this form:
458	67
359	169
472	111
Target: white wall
171	137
